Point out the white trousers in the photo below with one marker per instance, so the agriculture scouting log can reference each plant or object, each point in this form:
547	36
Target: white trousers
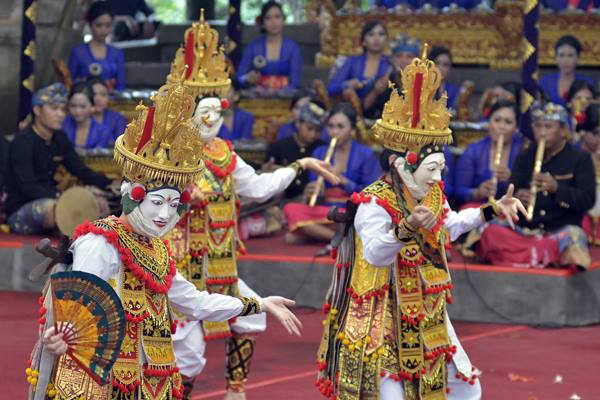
459	389
189	343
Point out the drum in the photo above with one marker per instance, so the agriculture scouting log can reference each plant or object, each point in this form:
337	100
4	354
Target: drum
77	205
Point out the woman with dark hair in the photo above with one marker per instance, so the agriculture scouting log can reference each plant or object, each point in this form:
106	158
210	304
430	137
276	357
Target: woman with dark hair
556	85
475	168
443	60
354	163
79	125
589	130
113	121
359	73
97	58
578	97
271	61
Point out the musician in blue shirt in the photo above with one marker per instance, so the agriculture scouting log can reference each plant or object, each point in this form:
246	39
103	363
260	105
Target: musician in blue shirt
271	61
97	58
112	121
359	73
475	169
556	85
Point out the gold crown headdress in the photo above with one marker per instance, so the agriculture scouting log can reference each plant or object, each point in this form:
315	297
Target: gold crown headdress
414	119
160	147
201	62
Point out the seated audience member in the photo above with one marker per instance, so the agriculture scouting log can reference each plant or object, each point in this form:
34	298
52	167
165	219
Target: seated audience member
134	19
237	122
355	164
404	50
112	121
449	176
566	190
507	91
298	101
271	61
579	96
556	85
97	58
475	170
589	130
34	156
442	58
300	144
79	125
359	73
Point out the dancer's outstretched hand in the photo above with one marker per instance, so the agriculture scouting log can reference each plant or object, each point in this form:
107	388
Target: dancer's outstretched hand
278	307
319	167
54	343
510	206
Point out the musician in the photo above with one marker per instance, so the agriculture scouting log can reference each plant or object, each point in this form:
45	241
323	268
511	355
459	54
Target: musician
566	189
589	131
271	61
301	143
556	85
356	166
81	127
359	73
34	156
113	121
97	58
475	169
578	97
237	122
299	99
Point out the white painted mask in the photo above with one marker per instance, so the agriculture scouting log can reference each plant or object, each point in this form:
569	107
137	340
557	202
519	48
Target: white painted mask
157	214
427	174
208	117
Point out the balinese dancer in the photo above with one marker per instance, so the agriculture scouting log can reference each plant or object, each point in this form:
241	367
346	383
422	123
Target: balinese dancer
159	159
387	334
206	241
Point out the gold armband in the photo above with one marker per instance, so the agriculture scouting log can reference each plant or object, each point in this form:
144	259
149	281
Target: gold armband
297	166
489	210
251	306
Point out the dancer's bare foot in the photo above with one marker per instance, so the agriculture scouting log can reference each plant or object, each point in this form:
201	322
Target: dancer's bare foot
234	396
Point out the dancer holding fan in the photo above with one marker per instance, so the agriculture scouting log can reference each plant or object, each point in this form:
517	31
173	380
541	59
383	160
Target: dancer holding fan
159	159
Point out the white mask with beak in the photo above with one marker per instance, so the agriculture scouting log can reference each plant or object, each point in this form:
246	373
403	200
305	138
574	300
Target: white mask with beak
427	174
208	117
156	214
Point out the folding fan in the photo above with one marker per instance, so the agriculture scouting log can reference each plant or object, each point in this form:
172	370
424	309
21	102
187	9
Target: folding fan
89	314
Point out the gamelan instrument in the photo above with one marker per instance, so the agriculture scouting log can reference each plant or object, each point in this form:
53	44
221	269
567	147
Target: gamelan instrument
537	167
328	155
79	204
497	160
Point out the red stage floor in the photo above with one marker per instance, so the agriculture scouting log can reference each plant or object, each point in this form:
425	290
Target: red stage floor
518	362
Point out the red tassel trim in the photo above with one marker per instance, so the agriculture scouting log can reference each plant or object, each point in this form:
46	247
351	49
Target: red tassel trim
128	260
222	172
221	335
136	319
167	371
221	281
437	288
369	295
221	224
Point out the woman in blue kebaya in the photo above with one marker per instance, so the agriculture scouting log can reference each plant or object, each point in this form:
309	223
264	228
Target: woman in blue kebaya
80	126
237	122
97	58
442	58
272	61
113	121
359	73
474	174
556	85
355	164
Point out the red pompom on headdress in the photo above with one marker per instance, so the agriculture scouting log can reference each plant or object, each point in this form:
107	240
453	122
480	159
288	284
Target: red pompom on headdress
224	104
185	197
411	158
138	193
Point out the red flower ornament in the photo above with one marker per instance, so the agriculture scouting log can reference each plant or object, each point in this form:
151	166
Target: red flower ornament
224	104
138	193
411	158
185	197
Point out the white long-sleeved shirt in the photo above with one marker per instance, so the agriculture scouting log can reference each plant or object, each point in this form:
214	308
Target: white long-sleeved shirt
380	247
93	254
260	187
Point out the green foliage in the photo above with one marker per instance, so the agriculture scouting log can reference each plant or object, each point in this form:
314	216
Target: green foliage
169	11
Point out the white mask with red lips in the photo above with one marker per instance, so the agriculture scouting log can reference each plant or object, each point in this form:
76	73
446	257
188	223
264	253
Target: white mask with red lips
427	174
156	214
208	117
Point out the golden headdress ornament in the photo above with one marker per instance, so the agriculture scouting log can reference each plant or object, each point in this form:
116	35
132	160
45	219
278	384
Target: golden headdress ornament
414	119
160	147
202	61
